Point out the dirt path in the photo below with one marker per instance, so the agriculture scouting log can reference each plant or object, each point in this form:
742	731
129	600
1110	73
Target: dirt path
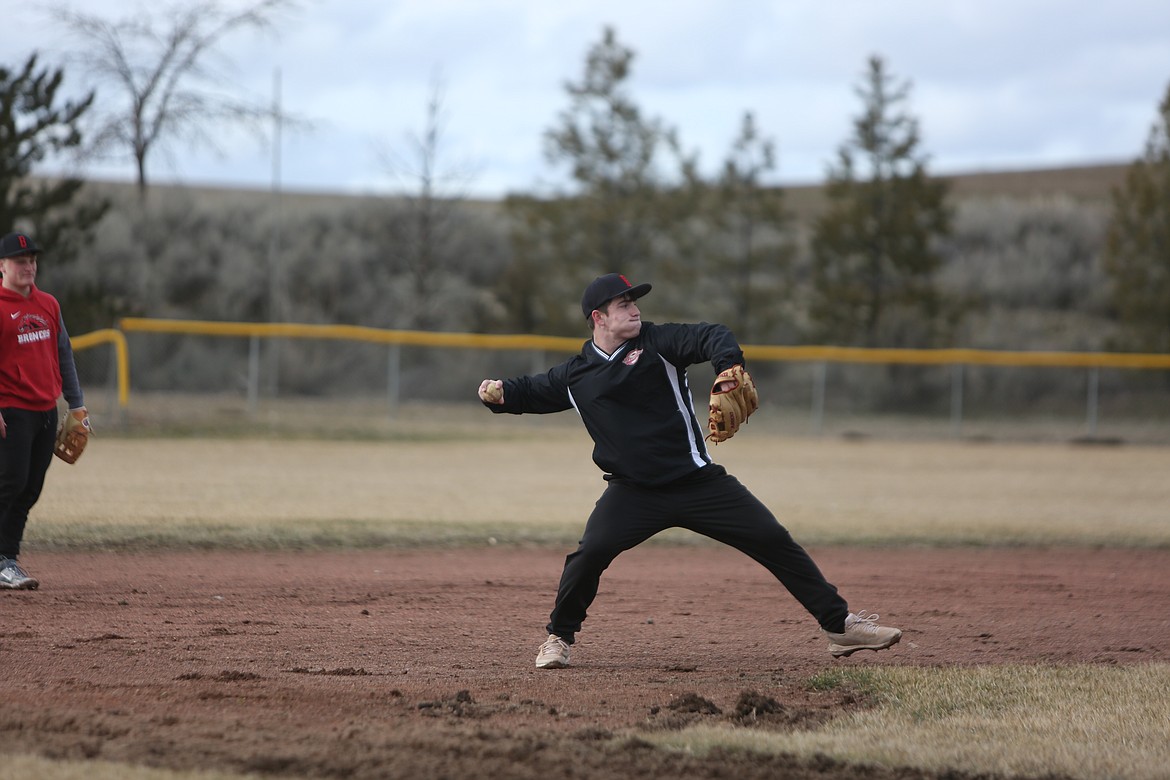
419	663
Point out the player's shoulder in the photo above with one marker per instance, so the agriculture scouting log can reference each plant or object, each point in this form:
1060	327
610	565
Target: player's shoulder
654	334
665	331
44	299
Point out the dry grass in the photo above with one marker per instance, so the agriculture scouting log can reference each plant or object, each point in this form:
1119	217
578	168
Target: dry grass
1081	722
1089	182
529	486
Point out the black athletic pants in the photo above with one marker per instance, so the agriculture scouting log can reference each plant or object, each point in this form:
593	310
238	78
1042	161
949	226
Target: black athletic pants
25	454
711	502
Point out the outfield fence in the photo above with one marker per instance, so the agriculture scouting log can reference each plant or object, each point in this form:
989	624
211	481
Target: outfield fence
257	361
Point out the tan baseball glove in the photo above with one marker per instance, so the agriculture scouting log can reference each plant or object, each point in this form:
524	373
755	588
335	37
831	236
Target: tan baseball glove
73	435
733	399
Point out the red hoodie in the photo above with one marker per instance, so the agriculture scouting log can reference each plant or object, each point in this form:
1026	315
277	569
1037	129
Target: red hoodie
30	369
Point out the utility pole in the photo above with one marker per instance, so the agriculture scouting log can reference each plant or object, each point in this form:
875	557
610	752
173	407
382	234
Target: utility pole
276	311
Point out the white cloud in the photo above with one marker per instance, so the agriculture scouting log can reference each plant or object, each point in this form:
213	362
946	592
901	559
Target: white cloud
994	83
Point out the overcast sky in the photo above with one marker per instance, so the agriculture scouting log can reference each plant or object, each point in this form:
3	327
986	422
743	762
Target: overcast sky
995	84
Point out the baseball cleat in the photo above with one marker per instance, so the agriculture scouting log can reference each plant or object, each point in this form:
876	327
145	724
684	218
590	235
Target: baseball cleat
13	577
862	633
554	653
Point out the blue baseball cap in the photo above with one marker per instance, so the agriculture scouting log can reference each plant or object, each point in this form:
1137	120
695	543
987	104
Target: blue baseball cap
17	244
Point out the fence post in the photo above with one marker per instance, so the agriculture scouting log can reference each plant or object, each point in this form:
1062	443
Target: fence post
253	373
818	399
394	377
957	373
112	387
1091	413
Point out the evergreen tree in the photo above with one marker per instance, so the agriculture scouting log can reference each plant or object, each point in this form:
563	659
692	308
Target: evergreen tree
35	126
1137	249
750	247
615	214
874	250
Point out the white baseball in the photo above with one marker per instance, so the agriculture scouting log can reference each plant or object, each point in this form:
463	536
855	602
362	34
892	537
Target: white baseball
491	391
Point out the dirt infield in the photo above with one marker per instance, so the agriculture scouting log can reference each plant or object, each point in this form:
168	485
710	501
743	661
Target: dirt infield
406	664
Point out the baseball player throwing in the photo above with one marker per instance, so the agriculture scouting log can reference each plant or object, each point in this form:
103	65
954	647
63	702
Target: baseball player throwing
629	385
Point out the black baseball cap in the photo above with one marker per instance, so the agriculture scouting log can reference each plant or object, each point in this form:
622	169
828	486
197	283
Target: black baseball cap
606	288
16	244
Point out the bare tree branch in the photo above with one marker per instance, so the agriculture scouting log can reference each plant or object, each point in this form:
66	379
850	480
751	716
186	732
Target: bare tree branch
162	64
430	231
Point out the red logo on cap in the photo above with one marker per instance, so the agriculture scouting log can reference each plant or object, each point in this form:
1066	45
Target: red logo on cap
24	244
624	279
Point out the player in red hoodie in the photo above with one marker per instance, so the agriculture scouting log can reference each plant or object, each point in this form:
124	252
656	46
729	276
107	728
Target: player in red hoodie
36	368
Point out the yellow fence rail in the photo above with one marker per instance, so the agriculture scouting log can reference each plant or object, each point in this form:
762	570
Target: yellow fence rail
414	338
121	356
817	355
959	357
795	354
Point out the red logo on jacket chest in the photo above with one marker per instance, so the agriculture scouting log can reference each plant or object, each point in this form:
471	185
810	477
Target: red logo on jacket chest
632	358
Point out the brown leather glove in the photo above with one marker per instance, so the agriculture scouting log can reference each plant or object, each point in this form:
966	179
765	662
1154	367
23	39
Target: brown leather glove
73	435
733	399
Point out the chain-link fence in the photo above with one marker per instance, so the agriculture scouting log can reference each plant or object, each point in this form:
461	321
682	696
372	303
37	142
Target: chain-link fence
265	378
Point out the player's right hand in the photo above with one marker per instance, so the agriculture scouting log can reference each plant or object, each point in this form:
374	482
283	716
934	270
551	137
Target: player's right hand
491	391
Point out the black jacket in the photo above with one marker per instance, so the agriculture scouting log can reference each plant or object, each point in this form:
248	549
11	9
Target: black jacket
636	404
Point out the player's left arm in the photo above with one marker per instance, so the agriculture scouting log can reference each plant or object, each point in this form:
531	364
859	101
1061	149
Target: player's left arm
70	385
688	344
733	392
75	430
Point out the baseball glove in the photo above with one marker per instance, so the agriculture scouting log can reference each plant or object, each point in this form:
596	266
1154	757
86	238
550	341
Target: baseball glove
733	399
73	435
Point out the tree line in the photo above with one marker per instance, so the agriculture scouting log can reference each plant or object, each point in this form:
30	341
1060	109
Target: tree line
893	260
